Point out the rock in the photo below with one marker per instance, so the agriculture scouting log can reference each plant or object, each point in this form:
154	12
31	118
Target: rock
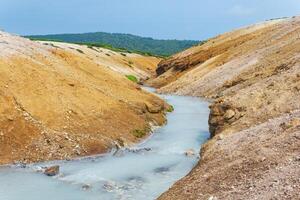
153	108
136	179
52	171
20	164
39	169
108	186
120	143
229	114
190	152
212	198
10	118
220	137
162	170
120	152
297	88
138	87
138	150
221	114
86	187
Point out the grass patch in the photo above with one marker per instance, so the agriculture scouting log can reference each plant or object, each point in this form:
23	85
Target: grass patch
100	45
130	63
91	47
138	133
170	109
50	44
132	78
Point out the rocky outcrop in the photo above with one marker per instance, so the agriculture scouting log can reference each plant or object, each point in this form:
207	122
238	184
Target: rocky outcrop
60	101
52	171
223	115
152	108
252	77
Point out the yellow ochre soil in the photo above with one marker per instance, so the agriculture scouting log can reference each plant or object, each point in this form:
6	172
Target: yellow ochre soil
60	101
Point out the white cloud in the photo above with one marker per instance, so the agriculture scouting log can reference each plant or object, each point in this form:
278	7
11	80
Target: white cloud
239	10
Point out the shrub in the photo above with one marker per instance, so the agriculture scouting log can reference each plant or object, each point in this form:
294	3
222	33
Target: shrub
139	133
80	51
170	109
132	78
130	62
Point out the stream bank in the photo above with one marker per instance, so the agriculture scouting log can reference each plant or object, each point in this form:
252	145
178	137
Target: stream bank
143	172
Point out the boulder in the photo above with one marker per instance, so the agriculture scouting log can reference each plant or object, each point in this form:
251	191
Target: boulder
86	187
229	114
220	137
190	152
52	171
153	108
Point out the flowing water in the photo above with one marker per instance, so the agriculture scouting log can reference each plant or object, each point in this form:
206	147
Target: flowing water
145	173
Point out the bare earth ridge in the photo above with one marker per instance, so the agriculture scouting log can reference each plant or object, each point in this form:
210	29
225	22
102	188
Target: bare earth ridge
253	77
60	101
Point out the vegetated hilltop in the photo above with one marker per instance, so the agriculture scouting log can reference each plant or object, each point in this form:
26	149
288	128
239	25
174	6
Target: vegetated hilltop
123	42
129	64
60	100
253	76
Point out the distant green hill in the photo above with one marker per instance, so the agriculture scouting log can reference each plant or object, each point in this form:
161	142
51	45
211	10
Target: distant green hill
122	41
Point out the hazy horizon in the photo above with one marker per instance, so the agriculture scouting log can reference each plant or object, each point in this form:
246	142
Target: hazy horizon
158	19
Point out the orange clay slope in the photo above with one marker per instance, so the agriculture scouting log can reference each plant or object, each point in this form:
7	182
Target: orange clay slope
59	101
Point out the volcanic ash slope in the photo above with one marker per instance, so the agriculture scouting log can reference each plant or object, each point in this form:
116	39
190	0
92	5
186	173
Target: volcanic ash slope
253	76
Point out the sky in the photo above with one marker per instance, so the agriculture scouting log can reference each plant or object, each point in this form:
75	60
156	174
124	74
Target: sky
161	19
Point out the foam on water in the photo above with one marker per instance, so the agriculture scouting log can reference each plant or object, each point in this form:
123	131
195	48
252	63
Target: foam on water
131	175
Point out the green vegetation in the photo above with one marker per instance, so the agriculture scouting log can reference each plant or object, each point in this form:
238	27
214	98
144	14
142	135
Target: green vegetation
139	133
170	109
130	62
44	39
132	78
277	18
80	51
52	45
125	43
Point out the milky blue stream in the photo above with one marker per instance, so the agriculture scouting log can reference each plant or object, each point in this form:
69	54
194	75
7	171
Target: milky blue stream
130	175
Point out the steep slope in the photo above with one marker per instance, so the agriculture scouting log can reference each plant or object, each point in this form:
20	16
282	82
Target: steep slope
124	41
59	100
253	76
142	67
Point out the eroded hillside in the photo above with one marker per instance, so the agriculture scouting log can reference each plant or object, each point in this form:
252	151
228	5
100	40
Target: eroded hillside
60	100
253	76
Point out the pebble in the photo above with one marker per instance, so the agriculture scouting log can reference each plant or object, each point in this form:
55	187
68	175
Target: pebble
190	152
86	187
